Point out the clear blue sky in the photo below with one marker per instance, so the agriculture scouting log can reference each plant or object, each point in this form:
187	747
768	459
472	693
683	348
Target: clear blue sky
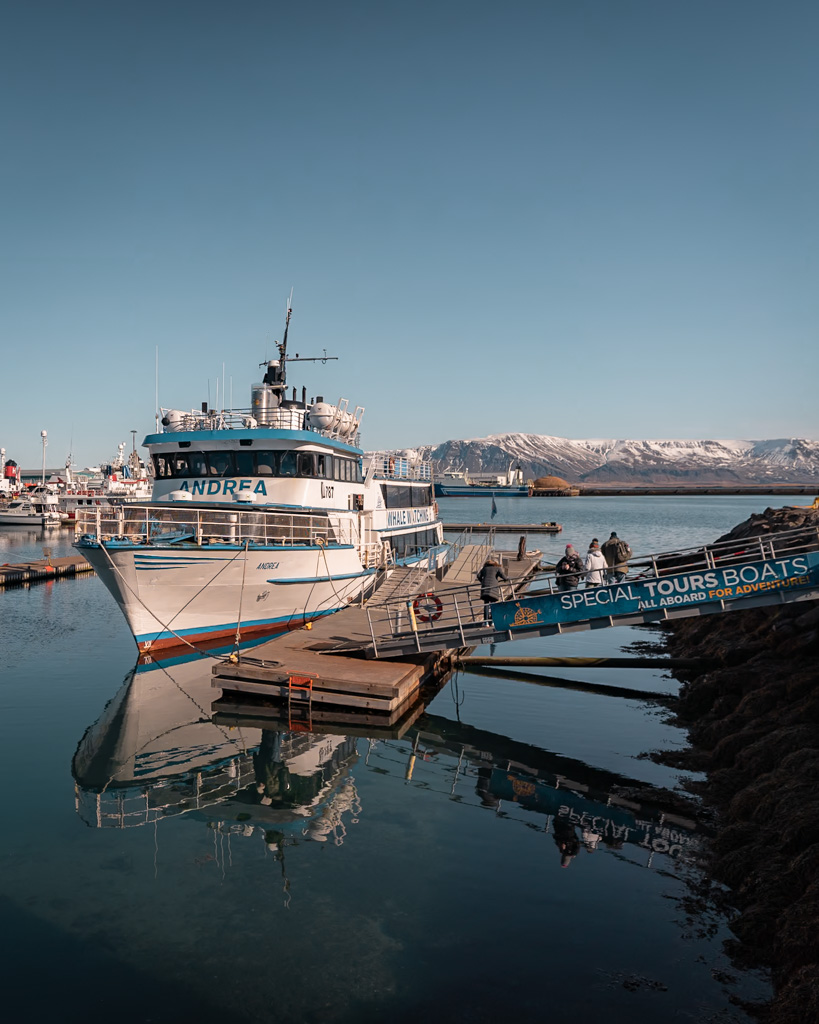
587	219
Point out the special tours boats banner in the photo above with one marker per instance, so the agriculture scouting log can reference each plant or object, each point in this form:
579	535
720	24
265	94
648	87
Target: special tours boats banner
701	587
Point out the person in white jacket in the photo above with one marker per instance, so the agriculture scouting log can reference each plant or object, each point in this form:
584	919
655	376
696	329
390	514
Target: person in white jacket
595	565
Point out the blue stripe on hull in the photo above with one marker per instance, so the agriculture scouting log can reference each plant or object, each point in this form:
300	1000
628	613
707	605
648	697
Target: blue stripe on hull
227	627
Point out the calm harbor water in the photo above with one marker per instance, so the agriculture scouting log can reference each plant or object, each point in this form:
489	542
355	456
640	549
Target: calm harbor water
162	863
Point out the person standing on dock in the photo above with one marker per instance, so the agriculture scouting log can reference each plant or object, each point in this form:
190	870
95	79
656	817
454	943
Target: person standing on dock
569	570
489	578
617	553
595	565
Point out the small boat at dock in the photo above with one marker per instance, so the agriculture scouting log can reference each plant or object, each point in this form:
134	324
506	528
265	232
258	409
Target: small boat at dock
25	512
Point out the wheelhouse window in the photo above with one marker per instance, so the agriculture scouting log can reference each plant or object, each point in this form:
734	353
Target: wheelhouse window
197	464
162	467
222	463
247	463
267	464
179	465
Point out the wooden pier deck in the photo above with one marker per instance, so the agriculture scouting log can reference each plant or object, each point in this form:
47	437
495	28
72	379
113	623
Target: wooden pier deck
328	655
505	527
42	569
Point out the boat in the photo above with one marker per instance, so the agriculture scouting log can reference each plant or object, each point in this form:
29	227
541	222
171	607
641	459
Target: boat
453	484
25	512
270	516
156	752
111	484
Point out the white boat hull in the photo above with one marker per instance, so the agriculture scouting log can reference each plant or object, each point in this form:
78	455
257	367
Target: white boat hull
175	596
37	520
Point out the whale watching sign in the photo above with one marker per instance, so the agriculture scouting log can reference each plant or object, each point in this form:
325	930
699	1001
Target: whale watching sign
652	593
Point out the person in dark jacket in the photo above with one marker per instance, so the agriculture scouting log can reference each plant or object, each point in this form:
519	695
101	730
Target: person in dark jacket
616	553
569	570
566	841
489	578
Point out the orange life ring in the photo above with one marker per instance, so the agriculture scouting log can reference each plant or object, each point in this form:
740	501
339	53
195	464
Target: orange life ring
432	607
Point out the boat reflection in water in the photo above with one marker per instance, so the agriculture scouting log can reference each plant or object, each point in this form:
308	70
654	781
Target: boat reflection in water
157	752
163	747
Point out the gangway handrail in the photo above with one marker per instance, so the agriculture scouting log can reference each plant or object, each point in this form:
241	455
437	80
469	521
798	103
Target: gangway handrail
778	553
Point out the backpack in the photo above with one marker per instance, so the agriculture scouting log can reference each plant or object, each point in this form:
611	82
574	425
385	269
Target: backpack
624	552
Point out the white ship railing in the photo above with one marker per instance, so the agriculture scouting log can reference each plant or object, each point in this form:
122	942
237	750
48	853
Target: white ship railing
158	524
392	467
133	807
343	427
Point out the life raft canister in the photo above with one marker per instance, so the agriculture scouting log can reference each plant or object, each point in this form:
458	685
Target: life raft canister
427	607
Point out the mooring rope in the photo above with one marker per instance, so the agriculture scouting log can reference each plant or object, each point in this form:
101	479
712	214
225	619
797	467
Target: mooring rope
167	626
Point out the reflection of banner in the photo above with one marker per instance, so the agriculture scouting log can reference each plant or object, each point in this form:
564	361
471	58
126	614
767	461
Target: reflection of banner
702	587
614	824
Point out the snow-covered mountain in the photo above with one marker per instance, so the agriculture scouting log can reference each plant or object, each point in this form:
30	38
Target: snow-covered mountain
600	462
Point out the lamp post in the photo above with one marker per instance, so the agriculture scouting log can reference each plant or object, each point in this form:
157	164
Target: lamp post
44	436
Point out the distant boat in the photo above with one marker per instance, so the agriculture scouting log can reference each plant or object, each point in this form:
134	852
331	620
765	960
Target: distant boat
123	480
481	485
24	512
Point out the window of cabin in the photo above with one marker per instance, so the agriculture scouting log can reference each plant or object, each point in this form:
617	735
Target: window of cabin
305	463
162	467
179	465
221	463
287	466
266	463
244	463
198	464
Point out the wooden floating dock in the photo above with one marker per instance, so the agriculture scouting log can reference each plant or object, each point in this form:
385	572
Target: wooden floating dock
505	527
232	711
308	671
42	569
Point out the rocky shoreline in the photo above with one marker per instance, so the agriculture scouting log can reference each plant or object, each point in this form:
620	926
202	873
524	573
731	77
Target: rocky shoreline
753	726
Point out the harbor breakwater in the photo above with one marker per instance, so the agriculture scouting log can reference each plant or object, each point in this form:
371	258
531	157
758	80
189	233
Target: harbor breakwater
753	726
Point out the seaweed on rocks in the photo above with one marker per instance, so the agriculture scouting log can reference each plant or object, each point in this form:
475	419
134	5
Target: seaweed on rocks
753	726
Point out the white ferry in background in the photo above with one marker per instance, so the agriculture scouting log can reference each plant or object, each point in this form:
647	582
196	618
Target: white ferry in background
453	484
123	479
260	521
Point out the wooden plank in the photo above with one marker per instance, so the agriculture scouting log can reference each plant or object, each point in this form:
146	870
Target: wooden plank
323	720
273	691
43	569
331	679
505	527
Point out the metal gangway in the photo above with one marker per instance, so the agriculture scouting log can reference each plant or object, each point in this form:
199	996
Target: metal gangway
731	575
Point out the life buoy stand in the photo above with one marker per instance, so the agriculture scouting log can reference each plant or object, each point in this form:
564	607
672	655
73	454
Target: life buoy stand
427	607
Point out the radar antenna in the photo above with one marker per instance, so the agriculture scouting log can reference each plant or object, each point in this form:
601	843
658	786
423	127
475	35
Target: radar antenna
276	374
